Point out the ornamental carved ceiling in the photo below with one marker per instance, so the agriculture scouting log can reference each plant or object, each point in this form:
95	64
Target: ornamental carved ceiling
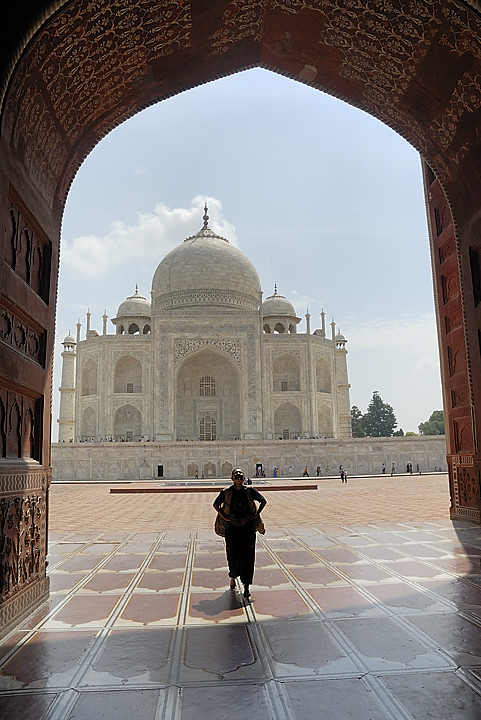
97	62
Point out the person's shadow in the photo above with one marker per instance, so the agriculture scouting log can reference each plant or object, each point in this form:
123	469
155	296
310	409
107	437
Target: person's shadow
228	601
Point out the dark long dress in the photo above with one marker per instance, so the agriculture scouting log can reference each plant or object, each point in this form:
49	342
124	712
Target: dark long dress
240	535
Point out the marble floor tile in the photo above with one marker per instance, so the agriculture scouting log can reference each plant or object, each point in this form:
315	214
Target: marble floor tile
384	645
347	698
121	705
435	695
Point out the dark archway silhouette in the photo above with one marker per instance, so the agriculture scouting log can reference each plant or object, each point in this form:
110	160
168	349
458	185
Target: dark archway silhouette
73	71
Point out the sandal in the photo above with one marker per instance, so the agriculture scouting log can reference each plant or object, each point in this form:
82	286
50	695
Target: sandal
232	584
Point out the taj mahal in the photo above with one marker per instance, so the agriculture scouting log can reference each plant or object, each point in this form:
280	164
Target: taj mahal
205	360
206	376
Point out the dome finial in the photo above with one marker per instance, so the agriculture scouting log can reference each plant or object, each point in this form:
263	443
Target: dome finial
206	217
275	288
136	289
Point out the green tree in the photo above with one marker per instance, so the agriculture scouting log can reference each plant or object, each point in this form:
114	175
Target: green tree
433	426
379	420
356	422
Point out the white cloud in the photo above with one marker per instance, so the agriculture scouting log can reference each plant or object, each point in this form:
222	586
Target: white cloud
150	238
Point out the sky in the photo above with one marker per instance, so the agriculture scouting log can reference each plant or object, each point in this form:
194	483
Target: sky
326	201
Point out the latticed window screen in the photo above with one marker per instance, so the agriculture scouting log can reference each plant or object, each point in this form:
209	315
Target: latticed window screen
207	385
130	387
284	386
285	435
208	428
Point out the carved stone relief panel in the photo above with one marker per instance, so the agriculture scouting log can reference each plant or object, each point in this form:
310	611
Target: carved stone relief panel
18	332
22	527
291	400
21	426
459	397
185	346
463	436
447	250
128	400
450	286
79	69
468	487
137	354
27	248
454	320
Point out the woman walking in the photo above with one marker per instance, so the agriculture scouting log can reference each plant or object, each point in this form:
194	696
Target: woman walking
237	505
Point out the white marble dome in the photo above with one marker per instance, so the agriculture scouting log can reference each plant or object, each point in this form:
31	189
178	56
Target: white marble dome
134	306
277	306
205	271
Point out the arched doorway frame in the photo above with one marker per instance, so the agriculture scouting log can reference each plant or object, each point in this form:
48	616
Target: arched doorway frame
187	364
69	78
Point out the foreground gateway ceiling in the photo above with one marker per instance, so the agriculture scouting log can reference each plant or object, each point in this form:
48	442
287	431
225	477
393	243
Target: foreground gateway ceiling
96	63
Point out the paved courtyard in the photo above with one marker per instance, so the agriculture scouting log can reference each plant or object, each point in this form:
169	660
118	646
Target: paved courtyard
366	604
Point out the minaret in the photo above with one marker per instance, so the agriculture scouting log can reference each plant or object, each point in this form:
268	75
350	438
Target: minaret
66	418
342	385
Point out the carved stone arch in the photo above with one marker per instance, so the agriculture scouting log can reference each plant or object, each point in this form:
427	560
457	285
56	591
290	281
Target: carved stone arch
286	373
14	431
88	423
296	401
323	375
127	423
193	470
210	469
207	382
325	420
227	468
3	429
414	65
128	375
28	433
89	378
287	421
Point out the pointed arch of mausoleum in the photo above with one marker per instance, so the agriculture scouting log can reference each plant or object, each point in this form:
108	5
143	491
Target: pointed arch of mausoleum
128	375
287	421
127	424
208	391
73	70
286	373
324	419
88	423
89	377
323	375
